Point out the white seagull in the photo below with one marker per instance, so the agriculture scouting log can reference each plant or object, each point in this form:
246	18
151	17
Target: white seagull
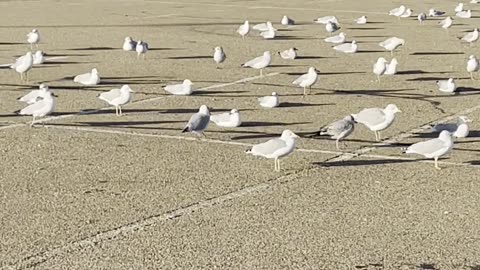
380	67
307	80
471	36
339	129
459	7
289	54
269	101
228	119
464	14
198	122
33	38
182	89
23	64
397	12
391	67
89	78
38	58
472	65
219	55
377	119
244	29
446	23
129	44
264	26
326	19
407	13
338	39
435	13
433	148
421	17
347	47
260	62
287	21
34	95
117	97
361	20
459	129
141	48
270	33
331	27
42	107
392	43
275	148
447	86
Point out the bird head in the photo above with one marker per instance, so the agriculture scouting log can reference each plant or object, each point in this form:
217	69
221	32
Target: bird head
393	108
288	134
187	82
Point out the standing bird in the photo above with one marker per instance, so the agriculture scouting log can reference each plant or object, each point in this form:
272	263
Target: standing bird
129	44
446	23
391	67
331	27
260	62
433	148
228	119
347	47
219	56
270	32
397	12
141	48
471	36
392	43
38	58
458	130
447	86
183	89
380	67
89	78
459	7
407	13
244	29
287	21
361	20
422	17
472	65
275	148
269	101
338	39
33	38
198	122
464	14
117	97
377	119
289	54
34	95
307	80
339	130
23	64
41	108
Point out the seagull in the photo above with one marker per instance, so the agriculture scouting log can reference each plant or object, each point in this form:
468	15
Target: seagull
459	7
471	36
287	21
244	29
129	44
34	95
33	38
183	89
260	62
326	19
38	58
361	20
407	13
228	119
117	97
219	55
433	148
464	14
475	1
41	108
88	79
397	12
198	122
275	148
472	65
380	67
331	27
421	17
458	130
447	86
435	13
391	67
23	64
289	54
377	119
446	23
269	101
392	43
338	39
339	130
270	33
141	48
347	47
264	26
307	80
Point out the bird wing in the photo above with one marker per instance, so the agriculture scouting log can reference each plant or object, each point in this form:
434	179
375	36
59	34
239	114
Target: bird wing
343	47
426	147
174	88
110	95
18	62
451	127
442	84
31	109
82	77
253	61
32	96
268	147
198	122
371	116
337	127
301	79
219	118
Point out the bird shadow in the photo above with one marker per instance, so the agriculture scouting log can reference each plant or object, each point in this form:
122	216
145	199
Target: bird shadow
310	57
368	162
94	49
12	43
271	124
65	54
369	51
365	28
291	38
126	123
301	104
214	93
189	57
437	53
418	71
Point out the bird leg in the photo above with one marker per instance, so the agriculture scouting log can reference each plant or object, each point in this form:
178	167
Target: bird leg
471	76
336	144
436	164
21	77
376	136
116	110
33	121
278	160
261	72
275	162
31	47
379	136
120	110
26	77
378	78
304	91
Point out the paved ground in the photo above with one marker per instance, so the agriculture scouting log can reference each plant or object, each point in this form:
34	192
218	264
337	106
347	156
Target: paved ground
89	190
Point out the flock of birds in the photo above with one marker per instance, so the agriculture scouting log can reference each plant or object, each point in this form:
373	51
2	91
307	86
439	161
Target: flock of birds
41	102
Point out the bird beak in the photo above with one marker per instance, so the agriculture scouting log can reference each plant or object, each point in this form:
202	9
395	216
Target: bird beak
54	95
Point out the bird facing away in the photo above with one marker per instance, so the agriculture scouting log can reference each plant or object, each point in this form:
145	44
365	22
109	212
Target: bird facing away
44	106
459	7
244	29
347	47
182	89
447	86
269	101
38	58
380	67
397	12
361	20
117	97
471	36
459	129
22	65
275	148
391	67
129	45
331	27
228	119
422	17
472	65
219	55
338	39
433	148
34	95
260	62
377	119
198	122
446	23
287	21
289	54
307	80
339	130
33	38
141	48
392	43
89	78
